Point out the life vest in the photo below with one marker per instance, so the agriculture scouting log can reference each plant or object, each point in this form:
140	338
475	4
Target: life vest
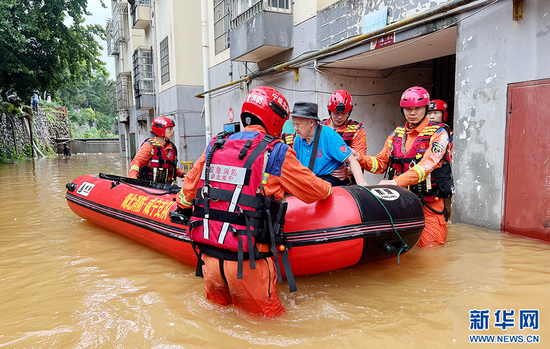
231	212
288	138
351	129
161	168
439	183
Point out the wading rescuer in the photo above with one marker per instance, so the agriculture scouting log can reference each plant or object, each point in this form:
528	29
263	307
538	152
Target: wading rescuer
415	156
439	113
340	106
156	160
233	201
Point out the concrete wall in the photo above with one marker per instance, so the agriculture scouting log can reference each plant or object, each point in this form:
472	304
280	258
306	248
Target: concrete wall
92	145
180	104
44	131
492	52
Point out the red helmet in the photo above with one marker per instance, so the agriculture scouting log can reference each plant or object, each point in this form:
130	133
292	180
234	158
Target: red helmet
339	102
438	104
415	97
268	105
160	124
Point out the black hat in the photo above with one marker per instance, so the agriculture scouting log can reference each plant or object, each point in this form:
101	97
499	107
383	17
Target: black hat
305	110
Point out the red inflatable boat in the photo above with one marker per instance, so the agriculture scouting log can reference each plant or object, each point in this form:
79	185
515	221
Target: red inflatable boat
355	224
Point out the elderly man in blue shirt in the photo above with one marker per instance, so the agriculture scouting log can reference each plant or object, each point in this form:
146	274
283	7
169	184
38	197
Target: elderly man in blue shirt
329	148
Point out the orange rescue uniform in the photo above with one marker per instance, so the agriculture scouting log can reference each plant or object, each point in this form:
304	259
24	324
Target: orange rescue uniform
359	141
143	158
435	231
256	292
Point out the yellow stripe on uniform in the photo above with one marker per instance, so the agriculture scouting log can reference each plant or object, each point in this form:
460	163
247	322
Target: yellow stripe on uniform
420	172
374	164
182	199
134	167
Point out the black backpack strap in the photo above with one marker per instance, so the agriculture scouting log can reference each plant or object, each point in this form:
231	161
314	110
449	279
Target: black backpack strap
315	146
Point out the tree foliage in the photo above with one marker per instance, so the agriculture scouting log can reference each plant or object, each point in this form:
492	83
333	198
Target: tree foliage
43	44
91	91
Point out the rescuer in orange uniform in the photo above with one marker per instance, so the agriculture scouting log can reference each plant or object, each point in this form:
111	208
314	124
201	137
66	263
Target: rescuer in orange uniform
156	160
238	179
415	156
340	106
439	113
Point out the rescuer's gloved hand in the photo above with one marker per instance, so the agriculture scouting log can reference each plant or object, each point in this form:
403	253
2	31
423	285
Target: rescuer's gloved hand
181	215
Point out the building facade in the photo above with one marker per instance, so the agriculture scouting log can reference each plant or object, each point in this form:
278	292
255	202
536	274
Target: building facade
469	53
156	46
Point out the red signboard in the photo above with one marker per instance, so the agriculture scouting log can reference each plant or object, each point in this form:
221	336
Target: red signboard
230	114
382	41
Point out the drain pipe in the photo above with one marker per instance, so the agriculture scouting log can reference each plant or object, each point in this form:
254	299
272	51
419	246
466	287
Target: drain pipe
349	43
205	76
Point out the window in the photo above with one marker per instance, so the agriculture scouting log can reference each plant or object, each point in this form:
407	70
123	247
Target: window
221	25
112	48
164	61
113	99
133	7
143	71
123	91
120	24
278	5
243	10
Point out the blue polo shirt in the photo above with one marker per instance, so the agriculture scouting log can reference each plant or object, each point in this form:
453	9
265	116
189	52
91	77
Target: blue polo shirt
331	152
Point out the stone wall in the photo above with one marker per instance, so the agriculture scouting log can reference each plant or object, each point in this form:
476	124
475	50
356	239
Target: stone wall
14	130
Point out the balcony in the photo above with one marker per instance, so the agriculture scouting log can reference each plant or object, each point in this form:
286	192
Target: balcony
124	91
112	48
113	99
140	10
143	78
261	30
121	32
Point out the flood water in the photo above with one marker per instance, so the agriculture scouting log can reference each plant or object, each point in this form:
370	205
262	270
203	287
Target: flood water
66	283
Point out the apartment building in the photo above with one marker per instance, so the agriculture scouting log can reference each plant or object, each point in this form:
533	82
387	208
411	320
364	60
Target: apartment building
156	46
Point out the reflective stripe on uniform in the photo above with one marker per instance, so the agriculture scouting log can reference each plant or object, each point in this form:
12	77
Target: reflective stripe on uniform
374	164
420	172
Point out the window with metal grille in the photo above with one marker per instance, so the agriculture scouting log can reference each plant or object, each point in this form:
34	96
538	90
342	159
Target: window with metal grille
133	6
113	99
143	71
243	10
164	61
221	25
120	24
112	48
123	91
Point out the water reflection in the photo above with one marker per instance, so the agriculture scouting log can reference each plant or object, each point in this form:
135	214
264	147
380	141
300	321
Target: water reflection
67	283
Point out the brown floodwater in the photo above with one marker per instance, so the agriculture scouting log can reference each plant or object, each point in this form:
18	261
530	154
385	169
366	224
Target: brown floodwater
67	283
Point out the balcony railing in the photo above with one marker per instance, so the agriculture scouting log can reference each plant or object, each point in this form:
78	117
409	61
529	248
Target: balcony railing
112	48
143	71
113	99
140	12
120	24
240	13
229	14
124	91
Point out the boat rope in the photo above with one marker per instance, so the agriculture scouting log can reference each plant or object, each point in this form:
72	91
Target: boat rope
405	247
